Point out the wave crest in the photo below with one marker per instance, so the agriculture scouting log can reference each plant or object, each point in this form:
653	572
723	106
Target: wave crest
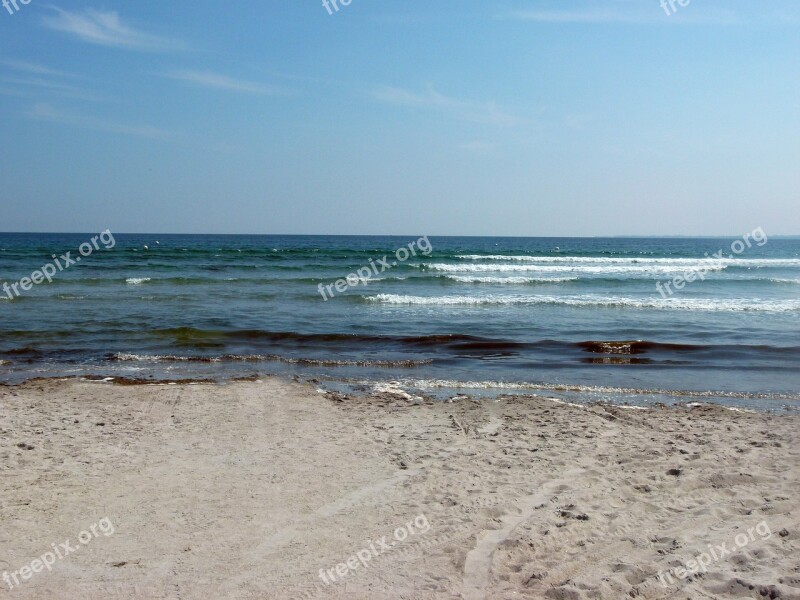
510	280
580	269
608	260
710	305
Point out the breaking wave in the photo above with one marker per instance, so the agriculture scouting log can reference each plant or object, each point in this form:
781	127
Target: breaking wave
510	280
607	269
699	304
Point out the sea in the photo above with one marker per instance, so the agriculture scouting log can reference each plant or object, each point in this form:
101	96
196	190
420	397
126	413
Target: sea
580	320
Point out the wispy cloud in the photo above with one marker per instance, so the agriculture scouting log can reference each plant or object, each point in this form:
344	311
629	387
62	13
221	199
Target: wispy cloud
39	83
581	16
26	86
33	78
475	112
207	79
33	68
105	28
623	12
45	112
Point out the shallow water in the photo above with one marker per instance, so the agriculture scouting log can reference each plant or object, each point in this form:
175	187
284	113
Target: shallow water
580	319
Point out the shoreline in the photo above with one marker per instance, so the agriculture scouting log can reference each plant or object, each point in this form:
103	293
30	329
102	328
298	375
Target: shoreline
457	389
253	489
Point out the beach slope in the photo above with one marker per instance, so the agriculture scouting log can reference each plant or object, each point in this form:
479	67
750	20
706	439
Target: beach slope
269	489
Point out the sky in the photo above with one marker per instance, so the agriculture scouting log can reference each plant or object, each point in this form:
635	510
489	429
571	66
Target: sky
423	117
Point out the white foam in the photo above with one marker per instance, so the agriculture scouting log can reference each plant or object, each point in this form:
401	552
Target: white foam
128	357
124	356
137	280
572	404
590	301
578	269
428	384
610	260
510	280
394	389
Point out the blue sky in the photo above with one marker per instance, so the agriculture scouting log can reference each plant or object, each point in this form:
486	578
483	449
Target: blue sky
414	117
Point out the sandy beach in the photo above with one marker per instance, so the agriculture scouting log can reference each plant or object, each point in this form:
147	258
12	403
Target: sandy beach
269	489
416	300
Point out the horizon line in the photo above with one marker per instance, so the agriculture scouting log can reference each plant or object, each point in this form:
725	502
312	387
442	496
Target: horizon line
607	236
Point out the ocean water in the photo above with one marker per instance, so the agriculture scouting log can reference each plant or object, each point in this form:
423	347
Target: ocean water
575	318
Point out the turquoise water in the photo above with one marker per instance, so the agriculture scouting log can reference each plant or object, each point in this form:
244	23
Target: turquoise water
579	319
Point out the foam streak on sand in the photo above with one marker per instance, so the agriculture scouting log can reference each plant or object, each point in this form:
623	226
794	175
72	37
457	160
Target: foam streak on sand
429	384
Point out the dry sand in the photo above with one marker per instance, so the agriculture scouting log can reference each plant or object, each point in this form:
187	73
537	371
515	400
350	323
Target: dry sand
249	490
